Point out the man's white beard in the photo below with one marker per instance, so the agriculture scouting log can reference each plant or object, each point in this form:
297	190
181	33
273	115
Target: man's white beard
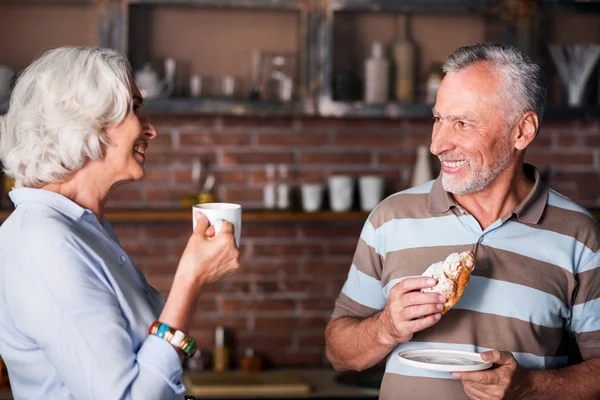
477	178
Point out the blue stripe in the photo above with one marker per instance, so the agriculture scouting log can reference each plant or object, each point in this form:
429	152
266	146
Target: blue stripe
364	289
421	189
557	249
525	360
586	317
368	234
558	200
593	263
393	282
491	296
508	299
408	233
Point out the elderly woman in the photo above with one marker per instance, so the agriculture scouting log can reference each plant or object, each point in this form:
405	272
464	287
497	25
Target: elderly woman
77	318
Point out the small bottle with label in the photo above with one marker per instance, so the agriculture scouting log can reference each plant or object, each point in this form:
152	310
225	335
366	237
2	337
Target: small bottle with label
221	352
377	69
270	191
283	188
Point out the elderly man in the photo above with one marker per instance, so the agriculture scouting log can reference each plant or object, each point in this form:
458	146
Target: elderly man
536	280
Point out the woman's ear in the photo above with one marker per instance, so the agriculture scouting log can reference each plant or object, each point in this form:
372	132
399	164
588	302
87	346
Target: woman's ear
526	131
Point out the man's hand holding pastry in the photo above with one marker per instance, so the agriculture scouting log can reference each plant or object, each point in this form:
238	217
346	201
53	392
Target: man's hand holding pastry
408	310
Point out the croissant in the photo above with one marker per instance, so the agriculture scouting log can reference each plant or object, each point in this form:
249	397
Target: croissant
452	276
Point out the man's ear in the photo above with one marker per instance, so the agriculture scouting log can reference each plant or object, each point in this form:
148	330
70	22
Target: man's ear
526	130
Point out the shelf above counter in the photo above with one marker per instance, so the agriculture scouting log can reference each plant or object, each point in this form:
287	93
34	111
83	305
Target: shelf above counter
178	215
249	4
184	106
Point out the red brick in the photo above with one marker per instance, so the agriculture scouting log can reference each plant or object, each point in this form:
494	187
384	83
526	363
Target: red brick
251	304
326	267
262	230
311	340
206	320
279	266
227	285
362	140
169	230
335	158
126	231
184	156
304	286
288	249
156	176
292	139
242	195
167	195
343	249
263	343
145	249
317	304
331	231
287	324
170	121
158	267
162	142
128	193
214	139
261	158
396	158
260	122
361	124
556	159
206	303
318	176
418	140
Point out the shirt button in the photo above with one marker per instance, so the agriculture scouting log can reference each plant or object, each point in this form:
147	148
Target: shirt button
480	239
123	259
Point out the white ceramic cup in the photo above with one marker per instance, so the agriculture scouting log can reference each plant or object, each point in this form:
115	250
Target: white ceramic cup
219	212
340	192
312	196
370	191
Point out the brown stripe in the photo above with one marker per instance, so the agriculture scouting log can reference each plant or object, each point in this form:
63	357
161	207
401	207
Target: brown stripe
400	387
589	344
367	260
480	329
589	286
490	263
414	261
346	307
574	224
401	206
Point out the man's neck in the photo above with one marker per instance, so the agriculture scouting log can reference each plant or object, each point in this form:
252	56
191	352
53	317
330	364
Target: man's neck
507	191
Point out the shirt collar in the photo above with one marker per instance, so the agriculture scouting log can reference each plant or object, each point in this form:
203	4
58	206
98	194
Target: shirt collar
46	197
529	211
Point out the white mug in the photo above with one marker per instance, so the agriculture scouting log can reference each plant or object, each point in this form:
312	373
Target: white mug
371	192
312	196
219	212
340	192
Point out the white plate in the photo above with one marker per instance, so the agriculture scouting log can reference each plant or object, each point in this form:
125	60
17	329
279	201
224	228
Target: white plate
443	360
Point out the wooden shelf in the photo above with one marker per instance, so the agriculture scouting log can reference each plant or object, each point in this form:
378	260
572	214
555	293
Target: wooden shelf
161	215
186	106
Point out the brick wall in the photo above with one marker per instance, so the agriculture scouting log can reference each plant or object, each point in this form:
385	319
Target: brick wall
291	272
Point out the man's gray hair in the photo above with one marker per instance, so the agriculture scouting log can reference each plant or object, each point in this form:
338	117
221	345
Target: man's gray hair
522	82
58	111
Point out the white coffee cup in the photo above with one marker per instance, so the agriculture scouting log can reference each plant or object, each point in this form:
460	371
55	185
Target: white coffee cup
340	192
219	212
371	191
312	196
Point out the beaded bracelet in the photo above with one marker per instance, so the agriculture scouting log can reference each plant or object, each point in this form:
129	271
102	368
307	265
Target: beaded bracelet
174	336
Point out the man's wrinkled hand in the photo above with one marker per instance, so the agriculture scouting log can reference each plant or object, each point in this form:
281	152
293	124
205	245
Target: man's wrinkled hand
506	380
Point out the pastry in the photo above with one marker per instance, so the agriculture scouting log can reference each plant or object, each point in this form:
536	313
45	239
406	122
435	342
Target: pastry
452	276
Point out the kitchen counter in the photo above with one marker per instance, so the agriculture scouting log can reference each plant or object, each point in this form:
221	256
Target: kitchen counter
322	382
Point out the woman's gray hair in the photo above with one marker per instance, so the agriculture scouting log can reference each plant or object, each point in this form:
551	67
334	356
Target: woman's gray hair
522	85
58	111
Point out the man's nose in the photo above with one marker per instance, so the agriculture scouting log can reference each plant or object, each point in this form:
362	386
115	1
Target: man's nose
441	138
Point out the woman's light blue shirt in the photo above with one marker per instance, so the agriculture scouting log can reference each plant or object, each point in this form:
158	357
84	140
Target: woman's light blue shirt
74	309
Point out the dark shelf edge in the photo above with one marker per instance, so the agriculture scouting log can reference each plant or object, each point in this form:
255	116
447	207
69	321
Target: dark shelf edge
181	215
248	4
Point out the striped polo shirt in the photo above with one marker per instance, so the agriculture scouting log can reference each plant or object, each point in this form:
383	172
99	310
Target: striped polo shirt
536	281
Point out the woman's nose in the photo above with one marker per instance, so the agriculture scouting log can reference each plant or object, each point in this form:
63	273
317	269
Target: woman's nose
151	131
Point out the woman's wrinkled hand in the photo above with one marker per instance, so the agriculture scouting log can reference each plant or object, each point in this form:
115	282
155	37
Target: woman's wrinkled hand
209	257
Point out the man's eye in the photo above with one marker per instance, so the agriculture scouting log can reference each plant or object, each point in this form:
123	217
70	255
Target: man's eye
462	124
436	119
